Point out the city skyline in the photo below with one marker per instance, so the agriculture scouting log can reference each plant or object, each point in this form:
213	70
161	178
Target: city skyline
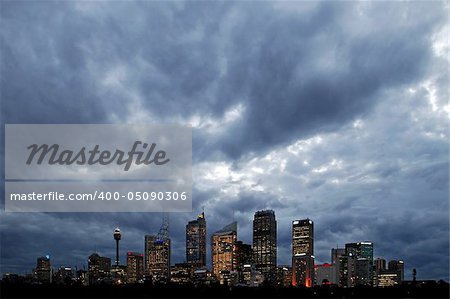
333	111
155	261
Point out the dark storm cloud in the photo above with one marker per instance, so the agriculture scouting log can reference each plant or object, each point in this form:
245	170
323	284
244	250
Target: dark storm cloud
44	77
295	75
294	86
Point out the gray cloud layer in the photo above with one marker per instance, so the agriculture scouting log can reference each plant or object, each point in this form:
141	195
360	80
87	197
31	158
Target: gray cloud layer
333	111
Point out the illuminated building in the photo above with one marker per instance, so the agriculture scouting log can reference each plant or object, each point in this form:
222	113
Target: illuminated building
398	267
223	249
359	263
265	244
387	279
379	267
82	277
99	268
345	262
303	252
229	278
325	274
157	259
251	277
363	272
244	256
202	277
284	276
43	271
196	242
64	276
181	274
336	254
135	267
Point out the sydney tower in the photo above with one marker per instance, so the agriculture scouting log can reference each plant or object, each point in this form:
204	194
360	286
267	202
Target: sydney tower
117	237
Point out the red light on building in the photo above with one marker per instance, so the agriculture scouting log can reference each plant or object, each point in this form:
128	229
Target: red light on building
308	282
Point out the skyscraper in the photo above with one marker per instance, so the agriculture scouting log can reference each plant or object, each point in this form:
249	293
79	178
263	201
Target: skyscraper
98	268
157	259
43	270
135	267
265	244
303	252
360	263
244	257
223	249
196	242
336	254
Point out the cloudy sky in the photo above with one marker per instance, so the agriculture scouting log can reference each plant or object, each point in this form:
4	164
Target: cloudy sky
333	111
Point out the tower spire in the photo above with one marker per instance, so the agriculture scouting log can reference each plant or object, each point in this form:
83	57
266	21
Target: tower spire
117	237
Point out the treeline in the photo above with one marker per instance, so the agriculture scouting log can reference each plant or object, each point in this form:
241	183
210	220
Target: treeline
17	290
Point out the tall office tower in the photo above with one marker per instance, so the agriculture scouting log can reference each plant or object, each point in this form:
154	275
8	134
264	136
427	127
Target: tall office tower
360	263
398	267
43	270
303	252
244	257
343	266
223	249
265	244
117	237
196	242
135	267
99	268
336	253
157	259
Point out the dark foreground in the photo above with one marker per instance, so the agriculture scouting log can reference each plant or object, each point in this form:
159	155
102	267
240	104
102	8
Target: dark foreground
437	290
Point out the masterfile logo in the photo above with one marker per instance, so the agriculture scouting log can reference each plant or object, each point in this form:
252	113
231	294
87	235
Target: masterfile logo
98	168
93	156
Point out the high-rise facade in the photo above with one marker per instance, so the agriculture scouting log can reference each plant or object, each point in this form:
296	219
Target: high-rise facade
265	244
360	263
223	249
398	267
157	259
325	274
284	276
356	266
303	252
336	254
380	265
244	258
196	242
135	267
99	268
43	270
